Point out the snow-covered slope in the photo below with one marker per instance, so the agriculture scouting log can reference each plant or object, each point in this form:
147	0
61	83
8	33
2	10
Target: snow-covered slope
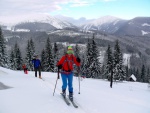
77	22
139	26
108	24
42	22
55	22
32	95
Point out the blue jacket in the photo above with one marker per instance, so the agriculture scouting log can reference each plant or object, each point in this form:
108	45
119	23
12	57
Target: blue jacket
36	63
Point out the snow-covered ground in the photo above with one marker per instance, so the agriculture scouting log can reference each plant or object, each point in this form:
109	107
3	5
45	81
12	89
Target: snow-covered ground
33	95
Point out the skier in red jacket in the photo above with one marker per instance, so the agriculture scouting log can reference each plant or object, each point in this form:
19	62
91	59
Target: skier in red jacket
66	66
25	69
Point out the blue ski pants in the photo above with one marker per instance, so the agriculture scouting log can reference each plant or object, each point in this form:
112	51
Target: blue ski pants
67	79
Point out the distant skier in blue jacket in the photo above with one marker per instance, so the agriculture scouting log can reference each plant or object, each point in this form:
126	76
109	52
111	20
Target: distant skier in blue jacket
37	66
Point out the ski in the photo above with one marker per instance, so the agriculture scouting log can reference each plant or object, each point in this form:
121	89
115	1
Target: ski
42	79
73	103
65	99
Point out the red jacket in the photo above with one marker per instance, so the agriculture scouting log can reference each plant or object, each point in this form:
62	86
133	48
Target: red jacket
67	62
24	66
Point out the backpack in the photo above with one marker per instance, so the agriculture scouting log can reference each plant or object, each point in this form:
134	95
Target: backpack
69	70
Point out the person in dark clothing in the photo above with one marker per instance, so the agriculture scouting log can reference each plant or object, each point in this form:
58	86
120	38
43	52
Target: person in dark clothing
66	66
37	66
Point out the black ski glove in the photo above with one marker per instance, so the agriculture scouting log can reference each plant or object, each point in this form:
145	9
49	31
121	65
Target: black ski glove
59	66
78	60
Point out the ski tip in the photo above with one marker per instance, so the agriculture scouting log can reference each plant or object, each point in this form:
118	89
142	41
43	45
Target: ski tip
76	106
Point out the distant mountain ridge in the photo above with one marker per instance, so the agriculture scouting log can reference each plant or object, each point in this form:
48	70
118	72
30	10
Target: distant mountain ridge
139	26
107	24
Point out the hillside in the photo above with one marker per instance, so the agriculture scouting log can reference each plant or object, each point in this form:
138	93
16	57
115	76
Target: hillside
138	26
28	94
133	35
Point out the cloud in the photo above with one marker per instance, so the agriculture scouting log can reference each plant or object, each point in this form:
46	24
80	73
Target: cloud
17	7
80	4
24	6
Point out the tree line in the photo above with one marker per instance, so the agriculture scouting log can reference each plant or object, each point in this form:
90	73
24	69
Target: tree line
91	67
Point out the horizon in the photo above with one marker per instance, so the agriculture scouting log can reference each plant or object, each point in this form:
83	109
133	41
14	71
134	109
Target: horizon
14	10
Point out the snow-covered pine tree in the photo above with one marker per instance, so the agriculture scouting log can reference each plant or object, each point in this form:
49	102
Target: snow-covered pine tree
86	69
137	75
119	72
143	73
30	50
82	67
12	60
43	60
77	52
3	55
18	57
56	52
109	63
49	56
148	75
32	46
127	72
28	57
95	65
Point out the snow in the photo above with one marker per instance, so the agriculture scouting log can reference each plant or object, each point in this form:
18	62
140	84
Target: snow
126	59
133	77
22	30
115	22
33	95
145	24
144	33
105	19
130	23
100	21
43	18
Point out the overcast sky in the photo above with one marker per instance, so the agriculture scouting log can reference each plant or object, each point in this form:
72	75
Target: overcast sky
11	10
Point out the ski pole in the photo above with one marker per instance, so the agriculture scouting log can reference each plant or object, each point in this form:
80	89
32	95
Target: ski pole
56	82
79	80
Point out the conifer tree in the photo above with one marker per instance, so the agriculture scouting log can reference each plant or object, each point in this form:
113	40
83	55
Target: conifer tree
3	55
127	72
30	50
32	47
148	75
95	65
143	73
28	56
109	63
49	56
43	60
83	66
77	52
18	57
119	72
137	75
55	57
88	61
12	60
